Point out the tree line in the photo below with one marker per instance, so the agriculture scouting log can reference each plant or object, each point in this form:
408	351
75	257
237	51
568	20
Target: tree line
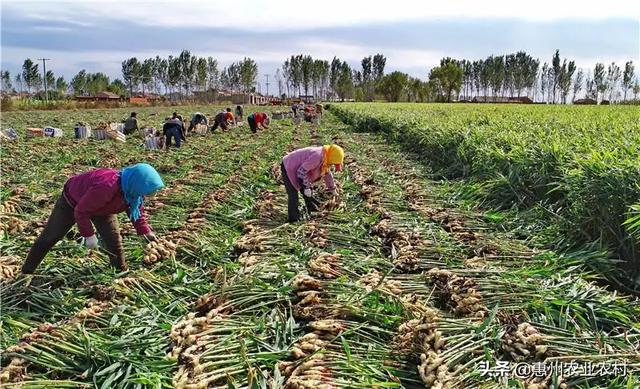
497	76
187	73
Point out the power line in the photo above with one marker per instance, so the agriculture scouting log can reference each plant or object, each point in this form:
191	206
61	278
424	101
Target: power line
44	76
267	83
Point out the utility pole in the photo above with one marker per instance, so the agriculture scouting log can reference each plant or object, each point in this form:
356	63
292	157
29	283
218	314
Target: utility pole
267	83
44	77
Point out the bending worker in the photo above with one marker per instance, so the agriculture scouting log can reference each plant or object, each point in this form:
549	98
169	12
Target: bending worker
173	128
197	118
96	197
258	119
131	124
224	120
302	167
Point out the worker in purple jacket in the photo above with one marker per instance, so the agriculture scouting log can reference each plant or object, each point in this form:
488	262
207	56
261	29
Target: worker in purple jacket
302	167
96	197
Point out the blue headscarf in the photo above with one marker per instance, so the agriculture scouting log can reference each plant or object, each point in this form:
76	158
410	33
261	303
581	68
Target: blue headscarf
137	181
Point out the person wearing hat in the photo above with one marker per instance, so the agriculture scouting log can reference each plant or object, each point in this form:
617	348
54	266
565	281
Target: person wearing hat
258	119
131	124
302	167
94	198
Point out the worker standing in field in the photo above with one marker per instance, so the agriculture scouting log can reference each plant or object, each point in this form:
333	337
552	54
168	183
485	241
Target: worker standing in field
197	118
173	128
224	120
131	124
96	197
239	113
302	167
319	108
294	108
258	119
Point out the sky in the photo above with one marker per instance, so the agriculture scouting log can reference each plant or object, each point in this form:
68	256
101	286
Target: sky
413	35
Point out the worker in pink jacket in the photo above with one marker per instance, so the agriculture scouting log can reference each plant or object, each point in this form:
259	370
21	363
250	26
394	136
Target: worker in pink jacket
302	167
95	197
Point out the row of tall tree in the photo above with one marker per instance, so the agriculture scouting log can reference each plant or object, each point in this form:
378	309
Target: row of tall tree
559	81
303	75
186	73
497	76
31	79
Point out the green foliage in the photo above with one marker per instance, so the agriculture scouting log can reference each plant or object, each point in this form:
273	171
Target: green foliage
580	162
447	78
393	85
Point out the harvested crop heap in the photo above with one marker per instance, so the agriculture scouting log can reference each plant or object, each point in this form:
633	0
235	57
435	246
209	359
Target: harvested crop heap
524	342
402	245
9	206
374	280
10	266
315	235
325	265
458	293
15	371
264	207
12	225
159	250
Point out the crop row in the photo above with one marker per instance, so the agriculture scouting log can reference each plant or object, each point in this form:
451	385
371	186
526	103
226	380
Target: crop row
576	167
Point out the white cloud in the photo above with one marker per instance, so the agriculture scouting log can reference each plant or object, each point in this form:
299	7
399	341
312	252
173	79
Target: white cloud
297	14
52	29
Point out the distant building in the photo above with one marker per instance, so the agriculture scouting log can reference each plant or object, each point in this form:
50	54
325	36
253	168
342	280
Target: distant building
309	99
102	96
107	96
144	98
251	98
585	101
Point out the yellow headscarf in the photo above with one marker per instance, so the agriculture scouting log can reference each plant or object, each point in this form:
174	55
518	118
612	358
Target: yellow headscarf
333	155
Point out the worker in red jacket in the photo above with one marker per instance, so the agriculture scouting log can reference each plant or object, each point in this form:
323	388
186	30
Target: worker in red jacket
258	119
96	197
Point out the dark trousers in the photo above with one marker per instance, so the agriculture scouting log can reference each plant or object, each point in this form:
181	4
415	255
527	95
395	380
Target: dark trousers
292	202
252	124
59	224
174	133
223	125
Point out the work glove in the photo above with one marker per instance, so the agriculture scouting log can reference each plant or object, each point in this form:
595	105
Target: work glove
91	242
151	237
307	192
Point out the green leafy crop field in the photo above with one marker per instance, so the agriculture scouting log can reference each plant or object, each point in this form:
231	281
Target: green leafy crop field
580	164
393	284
